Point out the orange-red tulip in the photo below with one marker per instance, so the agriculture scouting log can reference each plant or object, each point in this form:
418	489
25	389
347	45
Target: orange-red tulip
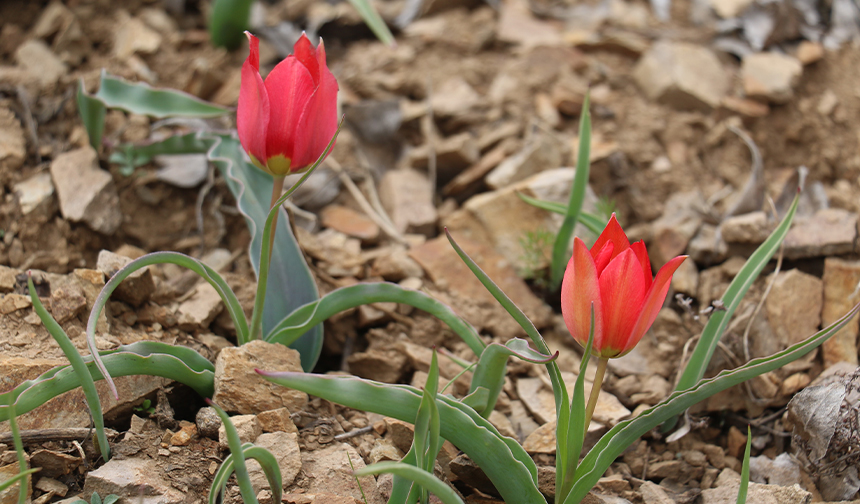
615	277
286	121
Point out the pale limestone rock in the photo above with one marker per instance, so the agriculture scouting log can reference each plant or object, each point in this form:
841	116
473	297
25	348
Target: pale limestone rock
34	191
770	76
396	266
136	288
86	192
39	61
349	222
681	219
285	447
794	306
239	389
385	365
126	478
543	152
840	280
198	311
133	36
408	198
329	471
247	426
830	231
543	439
13	145
277	420
726	492
749	228
682	75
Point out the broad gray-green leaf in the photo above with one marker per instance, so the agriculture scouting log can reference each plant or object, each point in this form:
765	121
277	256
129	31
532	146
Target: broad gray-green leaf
490	372
424	478
515	478
141	98
614	442
228	21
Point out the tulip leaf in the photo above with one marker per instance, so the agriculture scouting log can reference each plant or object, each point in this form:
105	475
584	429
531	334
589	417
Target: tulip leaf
141	98
173	362
92	112
620	437
427	441
515	478
591	221
373	20
490	372
78	366
236	450
22	461
558	388
720	318
424	478
266	460
296	323
745	470
561	246
228	21
14	479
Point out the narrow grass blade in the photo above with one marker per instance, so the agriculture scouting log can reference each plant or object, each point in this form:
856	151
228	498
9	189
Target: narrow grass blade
424	478
310	315
373	21
516	479
18	477
239	467
716	325
490	372
152	358
19	454
577	196
230	301
558	387
78	366
594	223
228	22
614	442
745	470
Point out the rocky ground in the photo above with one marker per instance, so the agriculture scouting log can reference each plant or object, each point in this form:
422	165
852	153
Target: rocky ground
702	115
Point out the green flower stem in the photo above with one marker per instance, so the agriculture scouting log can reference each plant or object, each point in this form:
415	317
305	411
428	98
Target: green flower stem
277	189
19	451
595	389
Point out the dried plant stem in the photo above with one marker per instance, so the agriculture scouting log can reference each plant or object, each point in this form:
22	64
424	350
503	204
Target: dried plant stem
595	389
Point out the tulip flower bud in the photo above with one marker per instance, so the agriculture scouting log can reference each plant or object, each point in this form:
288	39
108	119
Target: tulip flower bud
286	122
615	277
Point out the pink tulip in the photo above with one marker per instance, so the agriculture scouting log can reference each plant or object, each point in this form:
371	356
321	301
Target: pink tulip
615	277
287	121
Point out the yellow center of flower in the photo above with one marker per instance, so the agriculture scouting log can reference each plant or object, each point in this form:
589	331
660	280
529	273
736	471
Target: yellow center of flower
278	165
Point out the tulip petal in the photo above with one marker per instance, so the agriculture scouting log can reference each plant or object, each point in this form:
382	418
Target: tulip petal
614	234
655	296
603	256
580	289
290	87
622	290
304	51
252	113
319	119
642	254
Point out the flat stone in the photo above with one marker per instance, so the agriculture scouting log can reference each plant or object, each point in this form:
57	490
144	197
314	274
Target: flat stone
67	303
285	447
840	281
247	426
396	266
13	145
770	76
682	75
681	219
86	192
329	471
653	493
809	52
454	97
408	198
134	479
51	485
749	228
33	192
132	36
349	222
37	58
540	401
11	303
448	271
10	495
7	278
726	492
136	288
541	153
55	464
782	471
543	439
794	306
385	365
830	231
239	389
277	420
198	311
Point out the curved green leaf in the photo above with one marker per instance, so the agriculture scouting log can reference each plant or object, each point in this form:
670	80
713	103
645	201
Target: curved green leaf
228	22
720	318
176	363
297	323
239	467
594	223
515	478
267	461
614	442
577	196
373	20
745	470
92	112
490	372
141	98
424	478
78	367
210	275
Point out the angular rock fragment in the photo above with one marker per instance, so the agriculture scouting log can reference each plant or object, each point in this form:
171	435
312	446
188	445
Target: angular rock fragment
770	76
136	288
682	75
86	193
